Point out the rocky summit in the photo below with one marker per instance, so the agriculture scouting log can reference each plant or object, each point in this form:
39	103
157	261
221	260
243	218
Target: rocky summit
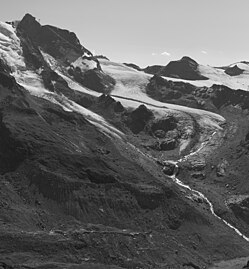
108	165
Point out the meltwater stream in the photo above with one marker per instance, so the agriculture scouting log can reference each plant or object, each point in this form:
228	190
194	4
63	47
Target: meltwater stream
201	195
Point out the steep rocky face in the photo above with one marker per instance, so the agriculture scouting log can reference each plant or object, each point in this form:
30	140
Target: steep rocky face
94	79
65	47
61	44
186	68
138	119
240	206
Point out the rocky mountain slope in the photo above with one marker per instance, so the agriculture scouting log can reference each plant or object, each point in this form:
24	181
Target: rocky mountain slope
87	158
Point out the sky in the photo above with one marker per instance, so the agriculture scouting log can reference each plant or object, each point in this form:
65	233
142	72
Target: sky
148	32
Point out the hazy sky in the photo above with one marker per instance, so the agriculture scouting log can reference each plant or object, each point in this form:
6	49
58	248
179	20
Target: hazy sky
147	32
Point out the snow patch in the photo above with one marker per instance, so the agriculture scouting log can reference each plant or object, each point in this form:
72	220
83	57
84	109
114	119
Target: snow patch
84	64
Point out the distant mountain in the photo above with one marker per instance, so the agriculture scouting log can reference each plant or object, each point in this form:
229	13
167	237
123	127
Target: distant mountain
234	71
134	66
153	69
186	68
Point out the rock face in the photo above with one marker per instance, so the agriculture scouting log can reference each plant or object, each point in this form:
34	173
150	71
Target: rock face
164	124
168	144
134	66
106	101
61	44
234	71
186	68
94	79
240	206
138	119
65	47
153	69
210	98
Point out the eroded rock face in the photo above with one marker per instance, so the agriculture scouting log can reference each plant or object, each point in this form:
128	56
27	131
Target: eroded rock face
172	92
211	98
98	81
138	119
61	44
106	102
164	124
163	145
240	206
134	66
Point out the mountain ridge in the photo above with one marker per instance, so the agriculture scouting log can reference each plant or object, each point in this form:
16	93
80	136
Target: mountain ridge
85	181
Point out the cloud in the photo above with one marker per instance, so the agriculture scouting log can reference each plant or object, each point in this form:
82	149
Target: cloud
204	52
153	54
165	53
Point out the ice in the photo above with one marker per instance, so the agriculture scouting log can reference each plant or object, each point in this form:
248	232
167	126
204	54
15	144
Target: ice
11	53
130	90
84	64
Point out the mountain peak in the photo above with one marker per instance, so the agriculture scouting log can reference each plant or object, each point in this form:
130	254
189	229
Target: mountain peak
28	19
185	68
188	59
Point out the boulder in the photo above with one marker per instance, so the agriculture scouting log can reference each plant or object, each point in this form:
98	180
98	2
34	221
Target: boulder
168	168
221	168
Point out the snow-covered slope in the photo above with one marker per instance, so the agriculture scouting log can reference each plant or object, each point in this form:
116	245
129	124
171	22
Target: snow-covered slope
218	76
130	85
12	55
129	88
84	64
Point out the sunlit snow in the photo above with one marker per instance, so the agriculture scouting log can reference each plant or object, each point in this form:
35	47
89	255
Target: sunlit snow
12	55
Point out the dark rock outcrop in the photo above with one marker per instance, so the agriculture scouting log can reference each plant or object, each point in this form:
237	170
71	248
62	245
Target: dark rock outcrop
165	124
105	101
61	44
168	168
186	68
168	144
98	81
134	66
153	69
234	71
240	206
138	119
